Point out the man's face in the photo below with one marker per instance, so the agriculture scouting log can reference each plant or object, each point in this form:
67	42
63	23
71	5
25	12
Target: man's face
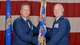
58	10
25	11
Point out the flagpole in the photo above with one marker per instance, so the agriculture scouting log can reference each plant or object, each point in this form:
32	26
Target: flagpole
8	25
43	15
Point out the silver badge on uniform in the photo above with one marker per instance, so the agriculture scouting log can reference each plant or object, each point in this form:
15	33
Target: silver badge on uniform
30	26
56	25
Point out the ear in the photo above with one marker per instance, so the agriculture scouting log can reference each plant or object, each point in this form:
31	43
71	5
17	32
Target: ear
20	12
63	9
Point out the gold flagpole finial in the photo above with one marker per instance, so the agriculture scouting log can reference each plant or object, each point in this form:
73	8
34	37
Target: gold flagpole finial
43	0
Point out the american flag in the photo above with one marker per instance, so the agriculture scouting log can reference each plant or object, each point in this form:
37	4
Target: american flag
71	11
8	31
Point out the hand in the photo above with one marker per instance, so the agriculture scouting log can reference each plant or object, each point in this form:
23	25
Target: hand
39	19
41	39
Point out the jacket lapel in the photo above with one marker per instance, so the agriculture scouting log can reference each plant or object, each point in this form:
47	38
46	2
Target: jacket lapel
57	21
23	21
60	19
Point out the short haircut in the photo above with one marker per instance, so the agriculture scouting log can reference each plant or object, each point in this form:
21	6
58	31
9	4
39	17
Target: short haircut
25	4
59	5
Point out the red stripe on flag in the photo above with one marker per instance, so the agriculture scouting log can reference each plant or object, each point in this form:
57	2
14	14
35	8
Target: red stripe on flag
71	9
74	38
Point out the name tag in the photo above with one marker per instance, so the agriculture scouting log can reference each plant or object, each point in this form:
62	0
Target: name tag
56	25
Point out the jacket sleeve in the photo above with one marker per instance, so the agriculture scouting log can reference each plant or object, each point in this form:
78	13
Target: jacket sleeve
35	34
36	29
62	29
20	32
48	32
